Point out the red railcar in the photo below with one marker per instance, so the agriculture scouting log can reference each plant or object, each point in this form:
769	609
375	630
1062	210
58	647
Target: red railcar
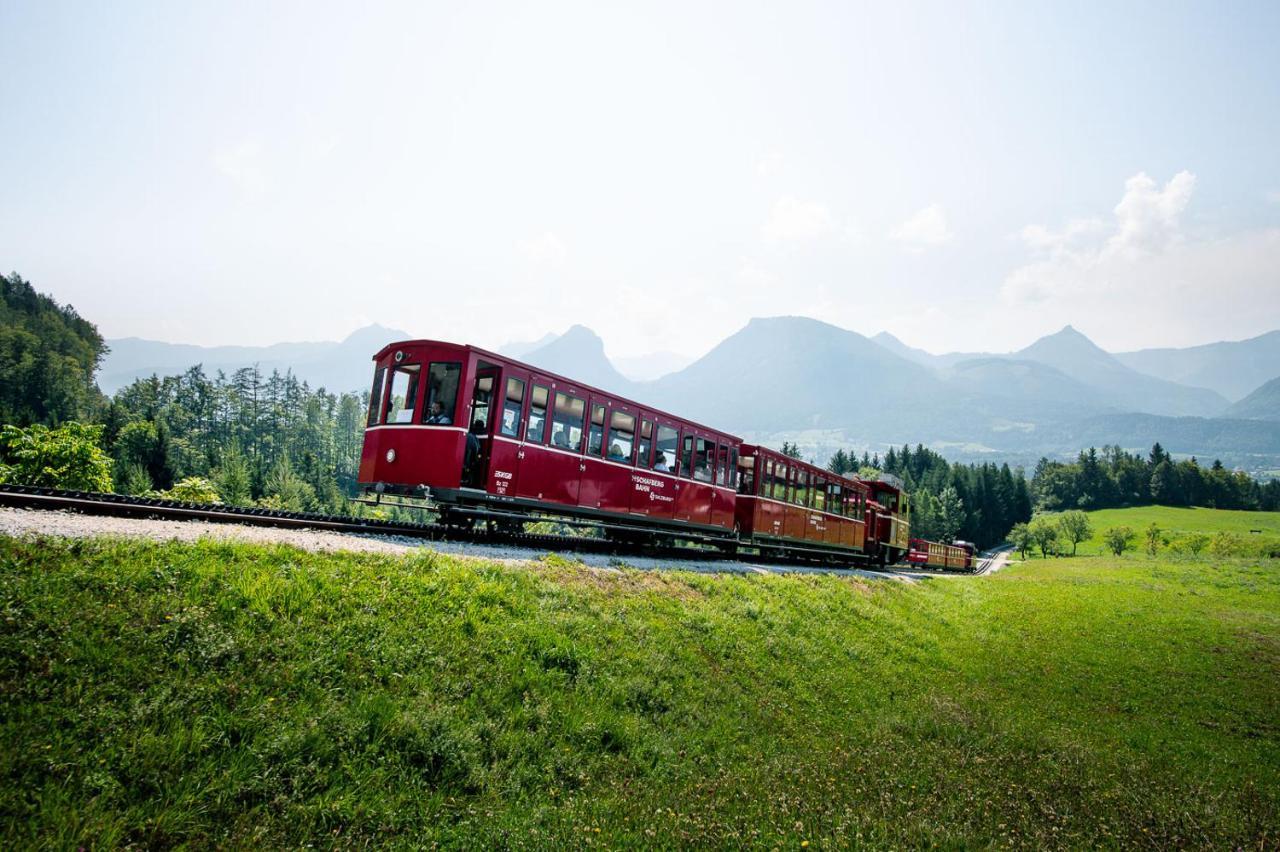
486	436
958	556
788	502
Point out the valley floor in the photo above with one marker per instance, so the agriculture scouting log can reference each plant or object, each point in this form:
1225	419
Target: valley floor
218	693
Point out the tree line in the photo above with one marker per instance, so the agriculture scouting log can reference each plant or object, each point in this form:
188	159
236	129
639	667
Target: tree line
975	502
1115	478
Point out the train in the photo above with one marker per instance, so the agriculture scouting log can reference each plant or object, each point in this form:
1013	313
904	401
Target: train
482	438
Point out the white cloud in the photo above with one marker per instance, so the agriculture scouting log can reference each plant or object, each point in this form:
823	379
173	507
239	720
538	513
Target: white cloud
544	248
1147	216
753	276
1144	281
792	220
1274	196
926	229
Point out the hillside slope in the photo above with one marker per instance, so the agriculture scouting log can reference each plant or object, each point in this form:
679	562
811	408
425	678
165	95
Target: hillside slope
220	696
1262	404
1233	368
1077	356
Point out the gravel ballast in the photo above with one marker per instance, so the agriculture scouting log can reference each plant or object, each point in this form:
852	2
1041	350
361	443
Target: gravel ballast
21	522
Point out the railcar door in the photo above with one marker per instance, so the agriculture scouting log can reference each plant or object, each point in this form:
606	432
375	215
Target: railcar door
697	465
479	423
505	450
723	499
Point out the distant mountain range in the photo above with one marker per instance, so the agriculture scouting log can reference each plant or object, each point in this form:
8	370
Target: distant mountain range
826	387
336	366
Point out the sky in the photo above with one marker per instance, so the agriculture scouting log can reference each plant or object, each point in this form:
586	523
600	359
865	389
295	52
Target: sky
966	177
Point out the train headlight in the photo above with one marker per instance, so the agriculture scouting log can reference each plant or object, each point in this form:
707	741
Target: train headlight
391	456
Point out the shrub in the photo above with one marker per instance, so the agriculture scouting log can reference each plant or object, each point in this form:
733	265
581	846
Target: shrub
193	489
1118	539
67	457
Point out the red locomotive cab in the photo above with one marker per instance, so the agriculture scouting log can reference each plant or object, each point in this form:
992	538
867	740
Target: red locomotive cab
414	433
484	436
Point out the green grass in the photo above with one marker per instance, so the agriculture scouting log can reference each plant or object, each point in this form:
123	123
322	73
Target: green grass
239	696
1178	522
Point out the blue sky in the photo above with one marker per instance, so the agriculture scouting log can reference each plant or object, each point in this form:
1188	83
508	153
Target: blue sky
966	177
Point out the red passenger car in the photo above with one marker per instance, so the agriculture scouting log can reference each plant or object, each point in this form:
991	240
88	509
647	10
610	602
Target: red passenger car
788	502
958	556
486	436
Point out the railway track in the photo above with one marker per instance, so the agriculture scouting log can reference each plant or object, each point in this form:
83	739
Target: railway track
118	505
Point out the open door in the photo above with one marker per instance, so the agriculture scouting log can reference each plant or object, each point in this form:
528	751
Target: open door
480	426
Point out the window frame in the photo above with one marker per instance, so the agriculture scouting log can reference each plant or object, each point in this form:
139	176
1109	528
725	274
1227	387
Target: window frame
374	415
432	389
520	407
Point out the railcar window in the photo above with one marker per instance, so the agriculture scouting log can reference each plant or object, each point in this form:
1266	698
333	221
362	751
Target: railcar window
536	432
802	488
595	437
819	494
375	396
622	435
722	464
835	499
686	458
402	393
646	443
511	408
733	468
703	458
482	400
664	454
747	475
566	422
779	481
442	393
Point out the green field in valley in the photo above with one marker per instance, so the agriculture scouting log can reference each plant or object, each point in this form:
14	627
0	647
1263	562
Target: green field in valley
244	696
1247	531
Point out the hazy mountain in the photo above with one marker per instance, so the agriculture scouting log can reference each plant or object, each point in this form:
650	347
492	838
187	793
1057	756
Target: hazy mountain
1077	356
927	359
335	365
520	348
799	373
1035	388
654	365
1262	404
579	354
1232	368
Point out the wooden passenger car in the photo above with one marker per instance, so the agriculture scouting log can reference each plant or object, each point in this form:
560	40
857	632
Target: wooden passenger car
932	554
539	442
790	502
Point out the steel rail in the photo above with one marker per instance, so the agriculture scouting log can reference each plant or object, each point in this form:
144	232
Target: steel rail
119	505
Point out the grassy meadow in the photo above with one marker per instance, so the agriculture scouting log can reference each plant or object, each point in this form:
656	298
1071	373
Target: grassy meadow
1235	530
220	695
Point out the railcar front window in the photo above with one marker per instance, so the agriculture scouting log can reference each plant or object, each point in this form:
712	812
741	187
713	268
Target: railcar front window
512	407
646	443
566	422
664	454
402	393
442	393
622	435
536	432
375	396
595	438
